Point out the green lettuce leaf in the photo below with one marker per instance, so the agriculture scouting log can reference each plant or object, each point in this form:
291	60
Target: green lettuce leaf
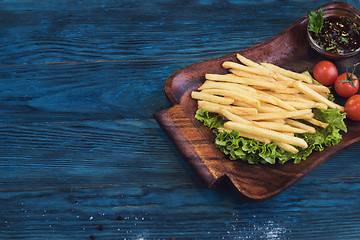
211	120
255	152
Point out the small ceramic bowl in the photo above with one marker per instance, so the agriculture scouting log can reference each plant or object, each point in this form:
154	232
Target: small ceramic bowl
337	12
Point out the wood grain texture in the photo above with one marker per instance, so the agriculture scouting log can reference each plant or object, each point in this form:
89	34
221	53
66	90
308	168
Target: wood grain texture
68	31
81	154
177	211
83	91
105	145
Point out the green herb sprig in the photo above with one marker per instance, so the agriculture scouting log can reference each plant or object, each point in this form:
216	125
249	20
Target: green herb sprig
316	21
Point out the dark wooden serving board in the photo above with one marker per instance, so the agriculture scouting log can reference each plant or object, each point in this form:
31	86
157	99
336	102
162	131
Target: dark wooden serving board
288	49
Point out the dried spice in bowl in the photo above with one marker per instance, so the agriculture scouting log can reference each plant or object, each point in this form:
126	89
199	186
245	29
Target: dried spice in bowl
337	32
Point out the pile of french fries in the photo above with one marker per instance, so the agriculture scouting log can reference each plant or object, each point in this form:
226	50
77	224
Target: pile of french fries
262	101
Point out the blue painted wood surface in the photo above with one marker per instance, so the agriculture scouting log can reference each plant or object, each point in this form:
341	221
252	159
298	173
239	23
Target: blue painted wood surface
81	154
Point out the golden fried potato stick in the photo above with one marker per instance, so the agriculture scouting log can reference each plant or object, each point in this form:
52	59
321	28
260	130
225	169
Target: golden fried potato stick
247	61
255	76
215	107
287	147
212	98
259	71
319	88
316	96
233	117
235	95
249	136
298	114
317	122
261	132
278	126
288	73
208	84
298	124
307	105
247	81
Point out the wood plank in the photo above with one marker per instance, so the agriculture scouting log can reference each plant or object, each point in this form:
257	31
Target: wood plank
83	91
89	153
321	209
64	31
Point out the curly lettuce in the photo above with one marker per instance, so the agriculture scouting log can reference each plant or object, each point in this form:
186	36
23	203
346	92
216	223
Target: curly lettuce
255	152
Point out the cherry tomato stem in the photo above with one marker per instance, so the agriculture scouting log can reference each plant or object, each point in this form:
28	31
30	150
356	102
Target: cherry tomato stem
346	85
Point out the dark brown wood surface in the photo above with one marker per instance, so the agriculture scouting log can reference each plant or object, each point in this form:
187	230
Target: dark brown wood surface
288	49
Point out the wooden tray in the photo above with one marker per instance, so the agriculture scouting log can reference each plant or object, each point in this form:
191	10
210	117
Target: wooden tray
288	49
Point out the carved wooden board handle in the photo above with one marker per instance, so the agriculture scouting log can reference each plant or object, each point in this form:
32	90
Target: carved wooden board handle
192	144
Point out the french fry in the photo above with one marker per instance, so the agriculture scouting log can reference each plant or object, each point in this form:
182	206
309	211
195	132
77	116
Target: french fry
233	117
208	84
248	94
267	108
299	101
289	90
263	108
253	64
255	76
247	81
212	98
269	98
281	77
319	88
289	97
316	96
302	105
215	107
317	122
209	106
282	104
247	61
241	110
281	127
258	71
272	135
299	114
235	95
236	91
287	147
249	136
242	104
305	117
288	73
298	124
321	106
286	83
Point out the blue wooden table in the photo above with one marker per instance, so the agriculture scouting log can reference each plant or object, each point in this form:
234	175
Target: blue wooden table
82	156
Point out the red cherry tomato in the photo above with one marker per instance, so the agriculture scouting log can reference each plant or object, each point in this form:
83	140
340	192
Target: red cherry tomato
325	72
352	107
346	89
